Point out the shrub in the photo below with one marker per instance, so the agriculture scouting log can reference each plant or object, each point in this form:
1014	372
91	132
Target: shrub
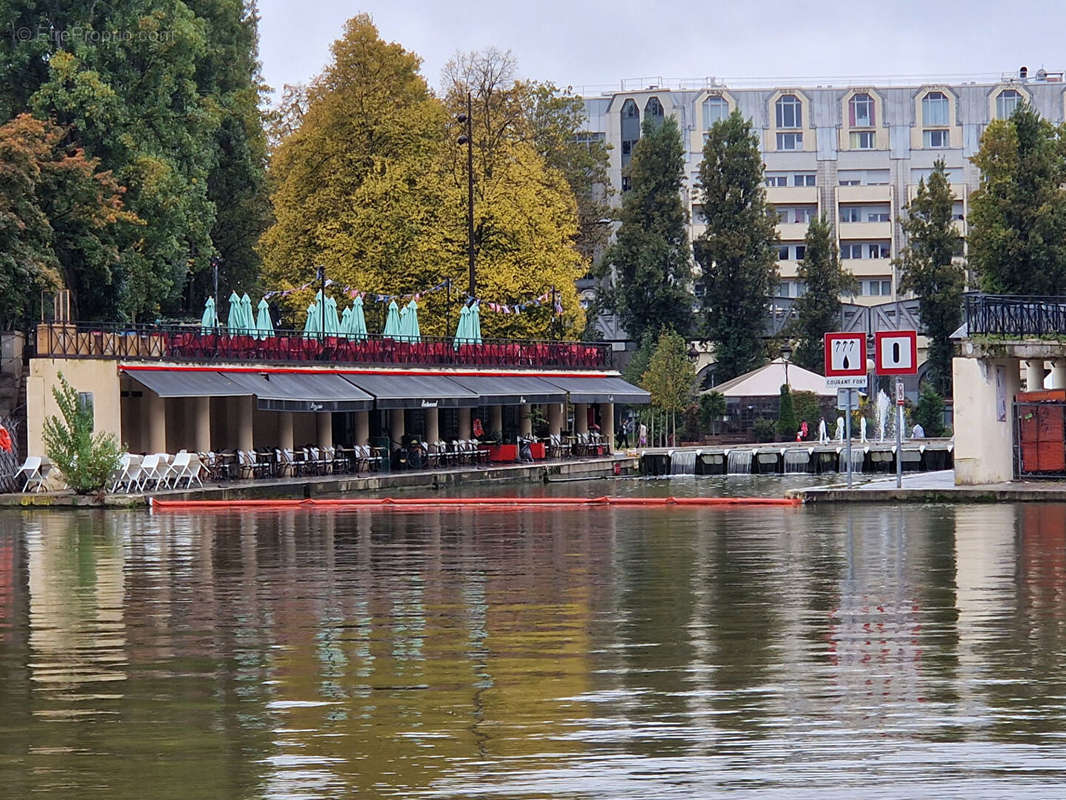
786	417
763	430
930	411
86	461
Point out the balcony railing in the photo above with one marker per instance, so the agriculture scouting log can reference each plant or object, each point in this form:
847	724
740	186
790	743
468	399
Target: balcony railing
189	343
1015	315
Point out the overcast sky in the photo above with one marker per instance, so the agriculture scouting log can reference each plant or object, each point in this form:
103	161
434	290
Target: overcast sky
596	44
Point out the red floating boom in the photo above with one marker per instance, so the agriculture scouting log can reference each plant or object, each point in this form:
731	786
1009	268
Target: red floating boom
468	502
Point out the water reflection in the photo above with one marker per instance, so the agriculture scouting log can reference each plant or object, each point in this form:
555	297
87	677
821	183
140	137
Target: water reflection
599	653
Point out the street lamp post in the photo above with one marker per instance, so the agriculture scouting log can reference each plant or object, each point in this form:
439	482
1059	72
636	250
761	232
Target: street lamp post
786	354
468	140
322	305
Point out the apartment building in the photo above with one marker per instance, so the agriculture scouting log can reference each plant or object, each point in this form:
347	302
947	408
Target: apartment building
853	153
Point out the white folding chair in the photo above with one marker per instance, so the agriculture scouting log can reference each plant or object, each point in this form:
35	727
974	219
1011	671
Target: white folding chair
150	472
34	474
181	470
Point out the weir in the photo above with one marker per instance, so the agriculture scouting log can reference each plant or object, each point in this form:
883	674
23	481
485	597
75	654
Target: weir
738	462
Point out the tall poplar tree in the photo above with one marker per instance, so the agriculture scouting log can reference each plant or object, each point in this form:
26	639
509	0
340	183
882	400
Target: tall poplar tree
651	255
927	268
1017	233
737	250
818	310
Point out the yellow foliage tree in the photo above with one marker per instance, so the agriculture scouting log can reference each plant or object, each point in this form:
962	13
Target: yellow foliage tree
371	184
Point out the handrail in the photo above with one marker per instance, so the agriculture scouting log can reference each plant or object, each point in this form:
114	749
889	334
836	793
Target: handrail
1014	315
190	343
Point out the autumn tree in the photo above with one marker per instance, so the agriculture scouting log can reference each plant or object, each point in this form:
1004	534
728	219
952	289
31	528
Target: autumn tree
1017	230
927	268
60	218
736	251
818	309
526	223
651	256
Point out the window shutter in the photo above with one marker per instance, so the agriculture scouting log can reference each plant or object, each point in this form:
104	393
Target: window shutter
851	112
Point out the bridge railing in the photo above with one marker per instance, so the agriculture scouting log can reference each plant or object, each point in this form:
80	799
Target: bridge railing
1014	315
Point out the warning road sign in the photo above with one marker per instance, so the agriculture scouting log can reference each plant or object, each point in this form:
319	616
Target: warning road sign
896	352
845	355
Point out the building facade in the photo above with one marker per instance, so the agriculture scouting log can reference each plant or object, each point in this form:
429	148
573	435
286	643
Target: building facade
852	153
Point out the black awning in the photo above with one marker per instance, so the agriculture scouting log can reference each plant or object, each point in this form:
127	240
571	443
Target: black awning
511	390
601	390
302	391
414	391
187	383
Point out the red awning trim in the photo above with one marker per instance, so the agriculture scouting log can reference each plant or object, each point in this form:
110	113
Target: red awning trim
350	371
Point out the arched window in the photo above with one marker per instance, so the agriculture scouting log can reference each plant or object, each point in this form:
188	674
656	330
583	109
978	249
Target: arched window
630	130
653	110
935	109
861	111
789	112
1006	102
715	109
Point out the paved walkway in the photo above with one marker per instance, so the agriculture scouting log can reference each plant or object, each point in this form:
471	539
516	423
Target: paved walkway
933	487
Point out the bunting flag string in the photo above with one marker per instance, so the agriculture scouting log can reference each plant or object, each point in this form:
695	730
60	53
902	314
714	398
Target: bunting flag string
490	305
518	308
352	292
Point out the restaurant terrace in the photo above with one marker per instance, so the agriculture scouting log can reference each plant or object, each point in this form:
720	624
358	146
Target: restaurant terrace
166	389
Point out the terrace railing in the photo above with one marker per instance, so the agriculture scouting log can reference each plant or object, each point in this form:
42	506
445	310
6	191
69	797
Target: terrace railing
1015	315
189	343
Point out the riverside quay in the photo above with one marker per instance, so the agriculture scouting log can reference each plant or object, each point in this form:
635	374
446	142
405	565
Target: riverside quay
163	389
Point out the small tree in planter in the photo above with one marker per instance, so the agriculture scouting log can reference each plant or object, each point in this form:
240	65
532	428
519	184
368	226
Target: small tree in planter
86	461
786	418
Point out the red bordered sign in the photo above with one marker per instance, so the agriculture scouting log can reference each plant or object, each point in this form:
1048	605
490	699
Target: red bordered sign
896	352
845	355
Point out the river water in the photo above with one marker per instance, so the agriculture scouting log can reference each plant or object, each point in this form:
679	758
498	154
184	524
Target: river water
866	651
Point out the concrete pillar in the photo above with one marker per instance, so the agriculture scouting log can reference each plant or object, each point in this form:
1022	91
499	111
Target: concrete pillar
464	423
157	422
581	418
1058	374
396	426
325	428
555	418
203	424
285	437
362	427
245	411
1034	376
525	420
607	423
432	425
496	420
984	392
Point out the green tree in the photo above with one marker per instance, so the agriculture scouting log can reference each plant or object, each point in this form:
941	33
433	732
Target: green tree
85	460
1017	233
787	425
930	411
670	376
170	108
638	363
651	255
928	269
736	250
818	310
